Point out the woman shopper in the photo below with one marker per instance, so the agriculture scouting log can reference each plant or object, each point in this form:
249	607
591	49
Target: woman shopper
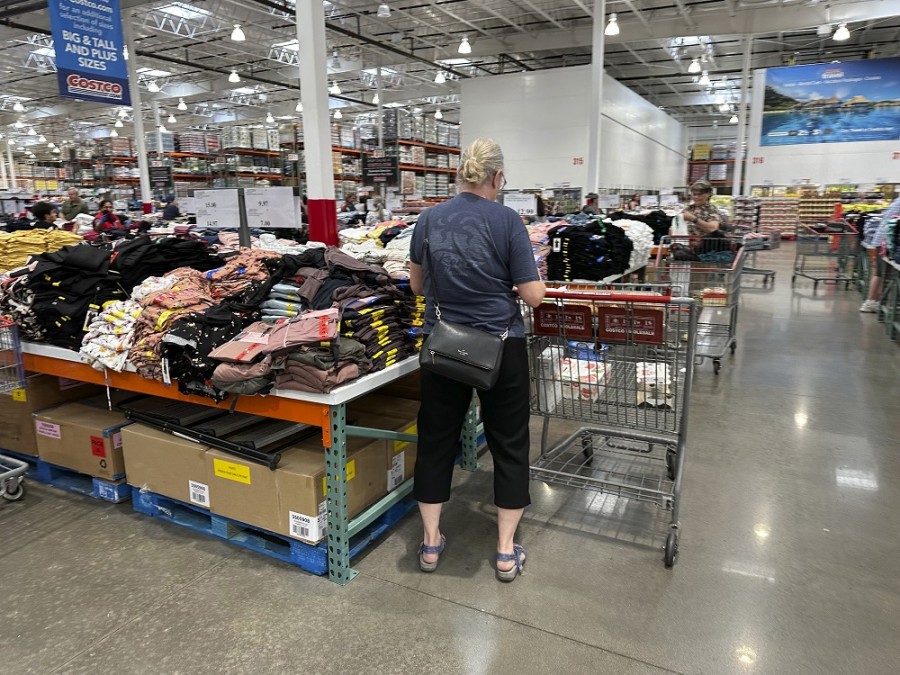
378	214
479	262
879	241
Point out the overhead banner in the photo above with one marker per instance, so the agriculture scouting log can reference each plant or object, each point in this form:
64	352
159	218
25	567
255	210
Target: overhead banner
87	39
832	103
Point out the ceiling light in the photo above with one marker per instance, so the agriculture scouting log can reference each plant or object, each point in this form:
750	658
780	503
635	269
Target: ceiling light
42	139
733	120
335	89
612	28
724	107
114	133
152	87
31	131
55	151
181	104
237	34
384	11
122	112
439	78
19	124
234	77
162	129
299	107
695	66
18	107
171	119
118	124
375	99
438	115
704	79
464	46
337	114
841	34
270	119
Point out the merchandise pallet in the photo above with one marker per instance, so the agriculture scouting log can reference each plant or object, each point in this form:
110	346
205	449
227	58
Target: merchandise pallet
115	491
309	557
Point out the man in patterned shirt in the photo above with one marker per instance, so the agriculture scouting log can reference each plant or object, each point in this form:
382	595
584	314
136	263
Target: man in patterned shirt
701	216
871	305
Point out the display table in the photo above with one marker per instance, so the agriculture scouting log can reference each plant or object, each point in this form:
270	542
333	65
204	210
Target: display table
327	411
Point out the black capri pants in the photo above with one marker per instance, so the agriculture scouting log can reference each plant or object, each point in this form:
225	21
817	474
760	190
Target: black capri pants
505	412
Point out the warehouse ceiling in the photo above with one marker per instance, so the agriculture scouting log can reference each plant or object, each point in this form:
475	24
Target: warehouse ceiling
186	49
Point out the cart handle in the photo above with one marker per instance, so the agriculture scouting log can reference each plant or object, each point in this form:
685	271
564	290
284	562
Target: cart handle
608	296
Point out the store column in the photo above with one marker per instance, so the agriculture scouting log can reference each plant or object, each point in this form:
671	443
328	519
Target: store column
13	183
3	183
322	207
743	112
140	142
596	120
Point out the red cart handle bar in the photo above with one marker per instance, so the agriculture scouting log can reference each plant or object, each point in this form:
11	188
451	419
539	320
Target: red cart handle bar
609	296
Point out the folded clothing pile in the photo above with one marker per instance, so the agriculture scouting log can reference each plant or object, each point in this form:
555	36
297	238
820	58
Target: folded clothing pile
17	247
320	367
592	251
641	236
110	334
283	302
657	220
377	322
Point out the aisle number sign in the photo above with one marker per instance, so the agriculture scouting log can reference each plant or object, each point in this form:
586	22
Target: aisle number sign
87	39
271	207
217	208
525	204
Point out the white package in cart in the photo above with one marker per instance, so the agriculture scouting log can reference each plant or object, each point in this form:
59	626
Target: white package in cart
583	380
653	381
549	386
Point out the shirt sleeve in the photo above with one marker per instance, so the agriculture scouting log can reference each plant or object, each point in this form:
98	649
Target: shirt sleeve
415	246
522	267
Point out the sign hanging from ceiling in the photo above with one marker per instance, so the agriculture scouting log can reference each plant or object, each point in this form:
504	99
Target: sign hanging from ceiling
87	39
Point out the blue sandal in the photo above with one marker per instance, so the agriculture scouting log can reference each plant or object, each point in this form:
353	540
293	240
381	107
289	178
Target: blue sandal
517	556
431	566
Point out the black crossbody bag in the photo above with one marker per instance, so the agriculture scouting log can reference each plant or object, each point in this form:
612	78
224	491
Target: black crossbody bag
468	355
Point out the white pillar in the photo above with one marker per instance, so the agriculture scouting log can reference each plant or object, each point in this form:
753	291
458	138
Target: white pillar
3	182
140	142
13	183
743	112
379	93
596	119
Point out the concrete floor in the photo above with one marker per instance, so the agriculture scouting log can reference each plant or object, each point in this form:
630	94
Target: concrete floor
788	563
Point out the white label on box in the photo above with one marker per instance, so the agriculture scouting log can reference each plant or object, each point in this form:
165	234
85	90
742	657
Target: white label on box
117	440
395	473
47	429
199	493
308	527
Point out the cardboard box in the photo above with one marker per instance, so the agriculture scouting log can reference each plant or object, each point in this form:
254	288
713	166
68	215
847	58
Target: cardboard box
407	386
291	499
392	414
82	438
166	464
40	391
583	381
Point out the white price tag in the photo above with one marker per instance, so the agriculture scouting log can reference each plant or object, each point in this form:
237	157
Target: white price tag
523	203
217	208
271	207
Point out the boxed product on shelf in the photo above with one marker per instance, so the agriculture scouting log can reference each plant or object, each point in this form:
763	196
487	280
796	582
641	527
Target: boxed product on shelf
82	438
259	139
393	414
17	431
418	155
274	141
166	464
291	499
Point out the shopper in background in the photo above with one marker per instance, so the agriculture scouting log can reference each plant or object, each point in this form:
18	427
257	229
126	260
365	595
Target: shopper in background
171	211
378	214
479	262
349	204
45	215
105	221
633	204
590	206
74	205
879	241
701	216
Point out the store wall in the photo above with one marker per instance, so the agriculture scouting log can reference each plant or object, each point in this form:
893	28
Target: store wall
824	163
541	120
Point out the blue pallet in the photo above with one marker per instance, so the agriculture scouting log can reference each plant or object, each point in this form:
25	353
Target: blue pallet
309	557
72	481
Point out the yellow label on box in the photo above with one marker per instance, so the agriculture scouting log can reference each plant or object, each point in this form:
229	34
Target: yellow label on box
351	469
19	395
239	473
399	445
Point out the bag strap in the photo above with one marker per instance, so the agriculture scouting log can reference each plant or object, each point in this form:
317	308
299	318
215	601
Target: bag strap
437	308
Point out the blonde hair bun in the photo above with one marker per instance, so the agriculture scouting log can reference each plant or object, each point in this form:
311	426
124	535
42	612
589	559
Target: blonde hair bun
480	161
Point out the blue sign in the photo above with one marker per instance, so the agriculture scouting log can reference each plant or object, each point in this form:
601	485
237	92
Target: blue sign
87	38
843	102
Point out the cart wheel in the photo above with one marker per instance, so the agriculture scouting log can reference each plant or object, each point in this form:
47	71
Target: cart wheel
16	493
717	365
793	279
733	347
671	549
587	447
670	464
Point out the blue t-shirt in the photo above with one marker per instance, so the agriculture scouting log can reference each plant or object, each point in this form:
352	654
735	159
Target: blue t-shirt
481	250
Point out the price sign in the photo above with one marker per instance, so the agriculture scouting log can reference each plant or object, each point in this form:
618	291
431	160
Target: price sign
525	204
609	201
394	202
187	205
668	200
271	207
649	200
217	208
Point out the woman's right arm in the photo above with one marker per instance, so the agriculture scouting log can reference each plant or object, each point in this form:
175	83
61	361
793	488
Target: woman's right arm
532	292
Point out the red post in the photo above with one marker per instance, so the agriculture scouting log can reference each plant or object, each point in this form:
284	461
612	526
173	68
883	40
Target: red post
323	221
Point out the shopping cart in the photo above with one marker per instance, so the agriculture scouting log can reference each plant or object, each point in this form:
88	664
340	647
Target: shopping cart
12	377
709	271
826	253
621	361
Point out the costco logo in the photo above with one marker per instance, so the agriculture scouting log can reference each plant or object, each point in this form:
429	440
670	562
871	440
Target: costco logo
832	73
78	84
